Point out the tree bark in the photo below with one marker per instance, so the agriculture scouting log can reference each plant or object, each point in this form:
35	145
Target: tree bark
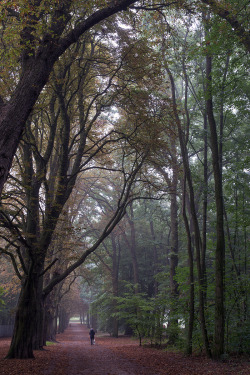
173	321
156	265
132	248
27	316
189	346
115	271
204	213
220	241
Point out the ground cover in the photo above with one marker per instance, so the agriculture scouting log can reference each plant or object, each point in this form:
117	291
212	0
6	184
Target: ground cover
73	355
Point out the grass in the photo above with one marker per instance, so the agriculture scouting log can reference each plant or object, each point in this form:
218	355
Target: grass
50	343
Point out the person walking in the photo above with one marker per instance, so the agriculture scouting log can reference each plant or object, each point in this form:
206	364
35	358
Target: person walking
92	336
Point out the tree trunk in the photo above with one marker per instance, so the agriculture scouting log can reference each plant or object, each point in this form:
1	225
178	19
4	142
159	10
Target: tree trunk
27	316
197	237
50	328
132	248
189	346
63	320
204	213
173	320
115	269
156	265
39	338
220	241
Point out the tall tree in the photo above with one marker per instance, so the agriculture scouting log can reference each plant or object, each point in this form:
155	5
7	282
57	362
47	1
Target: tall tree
42	33
49	166
219	334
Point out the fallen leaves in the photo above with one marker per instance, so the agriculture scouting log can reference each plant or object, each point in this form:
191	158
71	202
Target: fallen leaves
55	359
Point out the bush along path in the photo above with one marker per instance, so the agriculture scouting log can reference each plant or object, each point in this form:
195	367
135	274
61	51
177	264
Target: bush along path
73	355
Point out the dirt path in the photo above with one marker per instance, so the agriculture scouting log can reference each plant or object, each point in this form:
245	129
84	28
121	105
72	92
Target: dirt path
84	358
73	355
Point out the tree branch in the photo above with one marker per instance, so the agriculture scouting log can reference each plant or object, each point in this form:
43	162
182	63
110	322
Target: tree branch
115	219
229	16
49	266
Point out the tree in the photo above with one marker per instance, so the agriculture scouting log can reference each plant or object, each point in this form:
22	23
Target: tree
44	36
48	165
41	35
136	310
1	300
10	288
107	258
220	243
234	16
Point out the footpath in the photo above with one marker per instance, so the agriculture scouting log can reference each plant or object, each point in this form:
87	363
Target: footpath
73	355
76	356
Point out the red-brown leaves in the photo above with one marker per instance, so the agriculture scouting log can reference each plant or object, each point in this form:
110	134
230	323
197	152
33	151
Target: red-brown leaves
74	354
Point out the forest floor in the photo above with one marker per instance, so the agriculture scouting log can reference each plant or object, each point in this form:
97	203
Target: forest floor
73	355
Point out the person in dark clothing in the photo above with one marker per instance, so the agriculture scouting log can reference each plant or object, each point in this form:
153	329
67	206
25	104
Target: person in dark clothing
92	336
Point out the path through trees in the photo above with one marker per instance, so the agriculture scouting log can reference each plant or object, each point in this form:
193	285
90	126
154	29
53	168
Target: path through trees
82	358
73	355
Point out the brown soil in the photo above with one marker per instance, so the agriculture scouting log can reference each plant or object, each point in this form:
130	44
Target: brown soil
73	355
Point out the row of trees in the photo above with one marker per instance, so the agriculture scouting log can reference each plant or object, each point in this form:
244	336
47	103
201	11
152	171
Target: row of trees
148	106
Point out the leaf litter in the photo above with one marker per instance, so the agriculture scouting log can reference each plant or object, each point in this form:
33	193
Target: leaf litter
73	355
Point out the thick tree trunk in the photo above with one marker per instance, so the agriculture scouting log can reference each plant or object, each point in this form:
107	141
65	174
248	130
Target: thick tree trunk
39	338
50	316
64	320
27	317
49	324
14	114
